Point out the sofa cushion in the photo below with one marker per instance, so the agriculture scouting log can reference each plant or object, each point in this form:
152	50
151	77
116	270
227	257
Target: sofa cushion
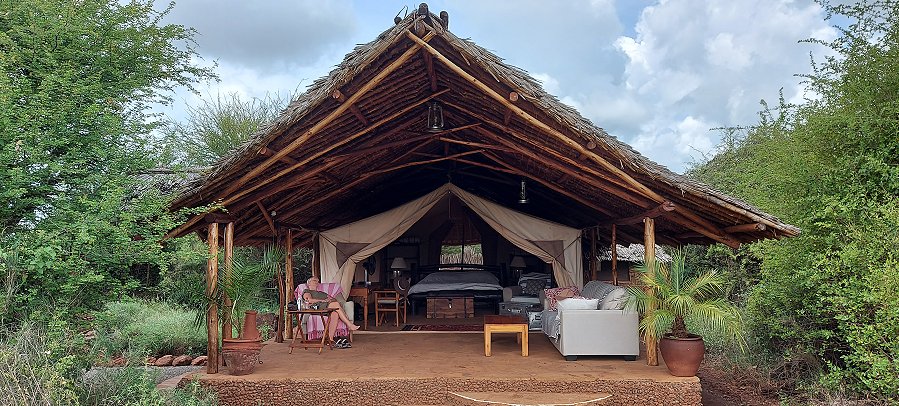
615	300
555	294
597	290
578	303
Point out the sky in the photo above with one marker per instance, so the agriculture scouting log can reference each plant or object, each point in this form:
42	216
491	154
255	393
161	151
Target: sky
661	76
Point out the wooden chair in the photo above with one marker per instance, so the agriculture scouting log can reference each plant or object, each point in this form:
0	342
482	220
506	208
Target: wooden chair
389	301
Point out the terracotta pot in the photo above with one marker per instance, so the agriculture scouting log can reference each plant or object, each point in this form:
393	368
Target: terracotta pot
682	355
249	331
240	344
241	362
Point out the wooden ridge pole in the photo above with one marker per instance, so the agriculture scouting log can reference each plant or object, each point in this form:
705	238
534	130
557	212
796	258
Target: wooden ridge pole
227	332
212	311
649	258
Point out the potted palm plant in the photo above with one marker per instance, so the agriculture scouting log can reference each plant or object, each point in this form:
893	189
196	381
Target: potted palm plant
670	296
243	284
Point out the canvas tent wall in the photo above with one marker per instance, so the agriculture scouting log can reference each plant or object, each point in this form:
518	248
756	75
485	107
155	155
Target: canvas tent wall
341	248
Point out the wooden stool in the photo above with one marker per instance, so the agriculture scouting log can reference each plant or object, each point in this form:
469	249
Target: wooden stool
505	324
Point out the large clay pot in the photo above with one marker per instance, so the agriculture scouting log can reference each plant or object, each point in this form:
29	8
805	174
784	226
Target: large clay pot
249	331
241	344
682	355
240	362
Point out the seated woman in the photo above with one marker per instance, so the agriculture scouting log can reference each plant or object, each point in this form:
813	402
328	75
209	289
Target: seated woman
316	299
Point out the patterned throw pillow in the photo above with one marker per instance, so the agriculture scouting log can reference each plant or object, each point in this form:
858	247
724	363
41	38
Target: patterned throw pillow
555	294
532	287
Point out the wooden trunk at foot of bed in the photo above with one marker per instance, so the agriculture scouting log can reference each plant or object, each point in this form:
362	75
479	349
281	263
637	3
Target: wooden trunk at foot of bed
450	307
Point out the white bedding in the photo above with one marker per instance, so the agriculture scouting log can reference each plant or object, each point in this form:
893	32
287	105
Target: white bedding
465	280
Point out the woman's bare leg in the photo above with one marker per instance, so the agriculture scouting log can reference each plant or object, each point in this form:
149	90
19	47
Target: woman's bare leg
342	316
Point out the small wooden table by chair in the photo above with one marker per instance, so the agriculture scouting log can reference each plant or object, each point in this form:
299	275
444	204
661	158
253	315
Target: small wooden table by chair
325	315
506	324
362	293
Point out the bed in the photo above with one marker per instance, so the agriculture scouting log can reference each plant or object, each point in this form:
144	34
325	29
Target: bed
482	282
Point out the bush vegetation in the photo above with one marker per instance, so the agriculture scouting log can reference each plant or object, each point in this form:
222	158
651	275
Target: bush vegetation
827	302
138	328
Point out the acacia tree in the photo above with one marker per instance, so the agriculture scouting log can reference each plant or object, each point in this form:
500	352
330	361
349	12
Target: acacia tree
831	166
76	82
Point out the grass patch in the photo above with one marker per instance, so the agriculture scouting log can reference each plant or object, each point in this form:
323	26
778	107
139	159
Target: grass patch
138	328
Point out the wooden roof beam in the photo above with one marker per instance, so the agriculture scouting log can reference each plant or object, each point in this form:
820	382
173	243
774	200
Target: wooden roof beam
322	124
658	211
382	147
614	187
475	144
268	218
637	186
425	162
429	64
549	185
264	151
338	95
746	228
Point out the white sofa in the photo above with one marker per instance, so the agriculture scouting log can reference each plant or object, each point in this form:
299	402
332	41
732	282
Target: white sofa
593	332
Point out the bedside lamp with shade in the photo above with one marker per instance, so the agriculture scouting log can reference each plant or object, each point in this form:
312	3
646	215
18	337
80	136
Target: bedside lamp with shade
398	266
517	265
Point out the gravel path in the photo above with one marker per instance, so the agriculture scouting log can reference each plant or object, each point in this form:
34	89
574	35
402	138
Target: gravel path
160	373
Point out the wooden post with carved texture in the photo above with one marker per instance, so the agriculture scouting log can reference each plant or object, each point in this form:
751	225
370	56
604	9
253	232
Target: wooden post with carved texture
288	284
212	313
649	257
227	331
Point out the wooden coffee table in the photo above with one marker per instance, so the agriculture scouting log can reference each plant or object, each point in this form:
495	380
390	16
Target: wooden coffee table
506	324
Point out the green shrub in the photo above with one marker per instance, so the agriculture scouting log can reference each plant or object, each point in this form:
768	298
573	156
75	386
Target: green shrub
139	328
30	371
137	386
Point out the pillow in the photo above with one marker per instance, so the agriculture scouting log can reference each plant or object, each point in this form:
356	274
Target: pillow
532	287
578	303
555	294
615	300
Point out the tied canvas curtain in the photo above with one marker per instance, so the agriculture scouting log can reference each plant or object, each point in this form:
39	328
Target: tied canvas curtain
343	247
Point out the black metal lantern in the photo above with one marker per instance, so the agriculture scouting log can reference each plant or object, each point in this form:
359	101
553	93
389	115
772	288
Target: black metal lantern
523	193
435	117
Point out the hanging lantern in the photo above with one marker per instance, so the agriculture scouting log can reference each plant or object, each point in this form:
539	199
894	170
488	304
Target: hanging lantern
435	117
523	193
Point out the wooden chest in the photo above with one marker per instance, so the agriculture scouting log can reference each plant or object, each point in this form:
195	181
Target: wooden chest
459	307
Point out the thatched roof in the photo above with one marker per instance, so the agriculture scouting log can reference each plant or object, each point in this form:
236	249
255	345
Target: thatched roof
356	144
631	253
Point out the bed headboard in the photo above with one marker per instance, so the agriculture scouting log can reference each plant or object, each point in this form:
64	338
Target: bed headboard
418	273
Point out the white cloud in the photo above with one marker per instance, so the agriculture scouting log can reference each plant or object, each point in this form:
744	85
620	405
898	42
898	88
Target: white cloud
696	65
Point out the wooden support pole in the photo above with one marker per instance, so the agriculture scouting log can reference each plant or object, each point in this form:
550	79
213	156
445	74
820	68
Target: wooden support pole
649	257
316	261
594	271
212	311
614	251
227	332
288	280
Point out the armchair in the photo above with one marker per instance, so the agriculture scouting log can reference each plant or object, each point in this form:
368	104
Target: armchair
312	326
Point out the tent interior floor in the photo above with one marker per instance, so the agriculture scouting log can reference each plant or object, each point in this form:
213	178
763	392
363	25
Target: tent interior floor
424	368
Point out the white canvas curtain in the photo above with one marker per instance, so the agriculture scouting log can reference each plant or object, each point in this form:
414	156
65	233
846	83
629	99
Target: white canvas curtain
341	248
